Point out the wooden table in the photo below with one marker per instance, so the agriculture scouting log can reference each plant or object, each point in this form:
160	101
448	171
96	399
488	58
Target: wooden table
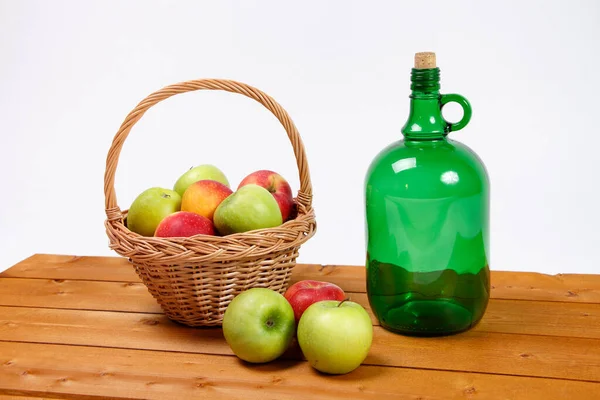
85	327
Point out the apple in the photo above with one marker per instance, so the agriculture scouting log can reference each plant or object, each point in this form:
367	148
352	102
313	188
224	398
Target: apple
259	325
203	197
184	224
151	207
250	207
304	293
199	173
335	337
276	185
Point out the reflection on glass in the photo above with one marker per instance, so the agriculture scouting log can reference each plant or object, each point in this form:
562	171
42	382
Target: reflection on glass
405	164
449	177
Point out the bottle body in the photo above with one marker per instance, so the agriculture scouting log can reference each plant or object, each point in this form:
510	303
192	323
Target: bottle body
427	234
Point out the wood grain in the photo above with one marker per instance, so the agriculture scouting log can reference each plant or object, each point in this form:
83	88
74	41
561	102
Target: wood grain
473	351
504	316
577	288
120	373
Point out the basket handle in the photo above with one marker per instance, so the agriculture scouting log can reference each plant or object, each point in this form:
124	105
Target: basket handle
304	198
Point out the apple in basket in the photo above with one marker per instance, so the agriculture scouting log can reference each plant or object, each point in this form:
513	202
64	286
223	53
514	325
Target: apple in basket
248	208
259	325
203	197
199	173
150	208
277	186
184	224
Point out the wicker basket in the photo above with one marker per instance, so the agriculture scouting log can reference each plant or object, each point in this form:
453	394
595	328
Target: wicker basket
194	279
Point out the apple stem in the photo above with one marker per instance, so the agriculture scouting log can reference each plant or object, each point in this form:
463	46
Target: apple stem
166	196
343	301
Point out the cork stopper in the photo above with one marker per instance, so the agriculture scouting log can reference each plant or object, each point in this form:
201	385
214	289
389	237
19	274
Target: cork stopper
425	60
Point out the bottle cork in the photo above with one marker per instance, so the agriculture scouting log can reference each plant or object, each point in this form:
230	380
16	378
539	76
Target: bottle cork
425	60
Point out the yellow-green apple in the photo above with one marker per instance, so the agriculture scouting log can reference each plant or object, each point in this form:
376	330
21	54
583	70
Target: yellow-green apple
199	173
259	325
276	185
302	294
151	207
250	207
335	337
184	224
203	197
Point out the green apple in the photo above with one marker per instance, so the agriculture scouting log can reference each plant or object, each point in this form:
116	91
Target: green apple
250	207
199	173
335	337
151	207
259	325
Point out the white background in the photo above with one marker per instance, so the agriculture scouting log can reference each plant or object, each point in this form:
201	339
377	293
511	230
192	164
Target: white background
70	71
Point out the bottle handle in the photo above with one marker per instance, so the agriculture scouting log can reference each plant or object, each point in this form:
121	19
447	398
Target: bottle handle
466	106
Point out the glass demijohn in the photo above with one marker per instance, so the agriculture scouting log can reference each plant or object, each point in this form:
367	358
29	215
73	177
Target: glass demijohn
427	220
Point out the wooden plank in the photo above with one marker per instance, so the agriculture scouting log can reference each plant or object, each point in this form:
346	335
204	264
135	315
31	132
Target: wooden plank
349	278
495	353
542	318
81	295
119	373
54	266
110	329
578	288
473	351
506	316
546	318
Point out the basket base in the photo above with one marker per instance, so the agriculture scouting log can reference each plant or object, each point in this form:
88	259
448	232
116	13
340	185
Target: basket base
198	295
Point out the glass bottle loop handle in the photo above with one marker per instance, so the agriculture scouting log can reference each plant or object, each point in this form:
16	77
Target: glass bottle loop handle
466	106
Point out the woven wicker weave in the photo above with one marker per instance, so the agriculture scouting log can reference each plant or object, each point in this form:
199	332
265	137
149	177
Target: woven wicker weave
194	279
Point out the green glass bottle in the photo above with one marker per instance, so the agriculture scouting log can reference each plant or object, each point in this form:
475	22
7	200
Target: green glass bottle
427	220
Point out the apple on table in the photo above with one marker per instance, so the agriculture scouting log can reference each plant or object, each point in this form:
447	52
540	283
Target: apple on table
276	185
259	325
335	337
304	293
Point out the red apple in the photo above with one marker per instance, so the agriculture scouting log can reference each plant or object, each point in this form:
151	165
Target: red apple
203	197
184	224
276	185
304	293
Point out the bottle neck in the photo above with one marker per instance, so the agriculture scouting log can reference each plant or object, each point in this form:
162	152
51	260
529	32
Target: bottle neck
425	121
